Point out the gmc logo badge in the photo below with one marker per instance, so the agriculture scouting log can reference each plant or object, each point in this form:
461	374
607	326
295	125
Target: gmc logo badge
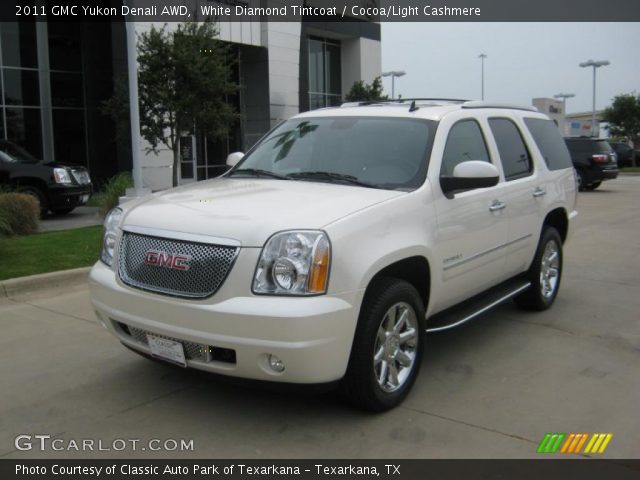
172	261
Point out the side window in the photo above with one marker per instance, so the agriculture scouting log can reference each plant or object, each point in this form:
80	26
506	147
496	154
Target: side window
515	158
465	142
550	143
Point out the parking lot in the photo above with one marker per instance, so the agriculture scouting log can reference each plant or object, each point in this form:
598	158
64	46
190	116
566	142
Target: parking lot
490	389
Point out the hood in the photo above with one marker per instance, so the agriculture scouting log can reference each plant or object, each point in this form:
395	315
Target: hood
70	166
251	210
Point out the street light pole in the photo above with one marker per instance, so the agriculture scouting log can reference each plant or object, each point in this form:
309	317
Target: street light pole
482	56
564	97
595	65
393	74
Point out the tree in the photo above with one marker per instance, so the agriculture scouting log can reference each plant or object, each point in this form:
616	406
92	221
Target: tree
184	80
624	117
361	92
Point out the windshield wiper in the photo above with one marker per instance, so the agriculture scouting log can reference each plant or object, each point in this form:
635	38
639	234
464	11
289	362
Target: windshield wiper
259	173
332	176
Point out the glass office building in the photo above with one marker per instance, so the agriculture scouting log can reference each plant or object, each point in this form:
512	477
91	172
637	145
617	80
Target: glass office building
55	77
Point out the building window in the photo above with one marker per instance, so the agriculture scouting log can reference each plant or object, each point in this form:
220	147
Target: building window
325	76
19	44
24	128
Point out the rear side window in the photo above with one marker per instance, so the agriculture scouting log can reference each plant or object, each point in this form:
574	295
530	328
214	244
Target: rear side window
465	142
551	145
514	155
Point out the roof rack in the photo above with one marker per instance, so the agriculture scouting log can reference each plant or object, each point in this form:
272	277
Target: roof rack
402	101
484	104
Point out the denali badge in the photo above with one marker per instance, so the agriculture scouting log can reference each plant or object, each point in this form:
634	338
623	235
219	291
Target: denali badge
167	260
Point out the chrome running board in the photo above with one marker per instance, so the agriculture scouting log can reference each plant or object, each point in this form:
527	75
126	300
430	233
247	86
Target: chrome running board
476	306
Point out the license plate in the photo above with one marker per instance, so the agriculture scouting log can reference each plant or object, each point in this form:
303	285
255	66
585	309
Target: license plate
167	350
84	199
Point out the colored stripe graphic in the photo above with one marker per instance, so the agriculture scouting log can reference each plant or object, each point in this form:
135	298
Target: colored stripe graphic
551	442
598	443
572	443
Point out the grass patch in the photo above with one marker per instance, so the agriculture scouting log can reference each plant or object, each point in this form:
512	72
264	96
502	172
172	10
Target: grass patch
49	252
630	169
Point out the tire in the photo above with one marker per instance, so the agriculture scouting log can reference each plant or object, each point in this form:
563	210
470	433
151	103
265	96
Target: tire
544	274
38	195
594	185
62	211
581	180
389	338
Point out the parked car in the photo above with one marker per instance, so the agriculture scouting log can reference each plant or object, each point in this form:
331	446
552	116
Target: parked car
624	152
594	161
329	250
58	187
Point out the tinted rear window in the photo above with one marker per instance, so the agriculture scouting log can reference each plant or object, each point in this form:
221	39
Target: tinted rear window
602	146
588	146
550	143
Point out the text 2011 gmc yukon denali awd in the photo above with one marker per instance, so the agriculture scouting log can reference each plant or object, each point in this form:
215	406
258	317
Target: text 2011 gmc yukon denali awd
345	235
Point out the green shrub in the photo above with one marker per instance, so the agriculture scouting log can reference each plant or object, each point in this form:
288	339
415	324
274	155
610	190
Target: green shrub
114	189
21	213
5	228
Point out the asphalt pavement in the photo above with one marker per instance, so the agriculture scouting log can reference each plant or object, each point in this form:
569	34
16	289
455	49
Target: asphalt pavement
490	389
78	218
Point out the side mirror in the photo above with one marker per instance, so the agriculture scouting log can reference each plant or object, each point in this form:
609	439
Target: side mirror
234	158
470	175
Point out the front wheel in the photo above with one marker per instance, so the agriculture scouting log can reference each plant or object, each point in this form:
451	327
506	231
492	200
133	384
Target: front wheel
36	193
387	348
594	185
544	274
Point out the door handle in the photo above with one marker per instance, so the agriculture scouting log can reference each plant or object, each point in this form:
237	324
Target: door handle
539	192
497	205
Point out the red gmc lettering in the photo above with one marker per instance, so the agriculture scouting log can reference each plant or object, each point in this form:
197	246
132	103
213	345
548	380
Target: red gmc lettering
167	260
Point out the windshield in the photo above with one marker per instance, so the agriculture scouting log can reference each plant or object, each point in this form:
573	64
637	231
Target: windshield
388	153
11	152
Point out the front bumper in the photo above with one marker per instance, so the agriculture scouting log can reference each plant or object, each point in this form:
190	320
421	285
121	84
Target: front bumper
312	336
65	196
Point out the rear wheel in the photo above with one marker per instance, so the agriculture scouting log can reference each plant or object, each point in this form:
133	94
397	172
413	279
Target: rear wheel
581	180
544	274
594	185
387	348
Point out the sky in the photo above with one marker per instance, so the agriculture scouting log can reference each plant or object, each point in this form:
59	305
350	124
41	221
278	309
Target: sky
524	60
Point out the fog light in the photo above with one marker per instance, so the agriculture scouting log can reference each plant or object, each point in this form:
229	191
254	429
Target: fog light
276	364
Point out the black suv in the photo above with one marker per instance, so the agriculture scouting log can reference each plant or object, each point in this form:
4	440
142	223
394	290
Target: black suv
594	161
59	188
625	153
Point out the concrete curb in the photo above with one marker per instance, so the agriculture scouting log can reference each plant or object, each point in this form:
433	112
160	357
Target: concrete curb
34	283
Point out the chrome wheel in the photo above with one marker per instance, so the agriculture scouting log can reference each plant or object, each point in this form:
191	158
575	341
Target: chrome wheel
396	347
550	269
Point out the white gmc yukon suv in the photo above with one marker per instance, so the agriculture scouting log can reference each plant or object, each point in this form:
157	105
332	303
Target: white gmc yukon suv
329	251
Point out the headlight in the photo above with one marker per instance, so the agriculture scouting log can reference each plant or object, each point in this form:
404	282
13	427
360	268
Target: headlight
61	175
294	263
111	228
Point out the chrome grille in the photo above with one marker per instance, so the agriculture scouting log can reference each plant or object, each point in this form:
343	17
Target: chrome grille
208	265
192	351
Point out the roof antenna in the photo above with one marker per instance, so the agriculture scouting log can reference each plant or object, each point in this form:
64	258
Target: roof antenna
413	107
